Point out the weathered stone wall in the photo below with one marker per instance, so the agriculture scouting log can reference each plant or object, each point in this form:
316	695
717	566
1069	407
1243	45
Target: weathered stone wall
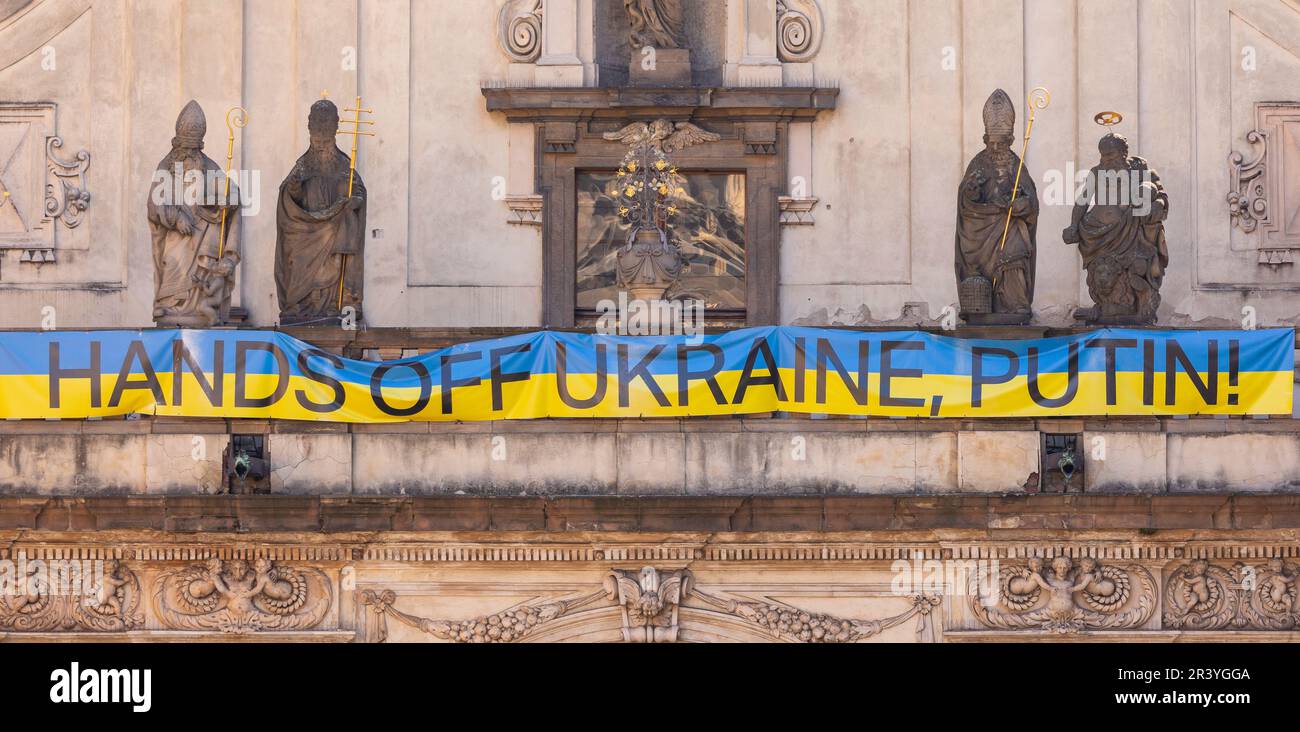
728	457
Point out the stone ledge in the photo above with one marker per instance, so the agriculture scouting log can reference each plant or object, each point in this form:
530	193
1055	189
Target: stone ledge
185	636
993	515
766	422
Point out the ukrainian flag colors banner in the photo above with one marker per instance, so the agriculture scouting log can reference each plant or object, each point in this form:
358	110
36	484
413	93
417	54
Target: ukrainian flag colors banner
266	374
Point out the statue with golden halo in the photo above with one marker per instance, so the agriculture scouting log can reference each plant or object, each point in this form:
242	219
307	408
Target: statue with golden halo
1118	223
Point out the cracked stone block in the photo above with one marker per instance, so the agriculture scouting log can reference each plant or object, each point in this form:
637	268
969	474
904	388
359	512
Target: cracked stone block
1226	462
72	464
900	462
997	461
486	464
184	464
313	463
1124	462
651	463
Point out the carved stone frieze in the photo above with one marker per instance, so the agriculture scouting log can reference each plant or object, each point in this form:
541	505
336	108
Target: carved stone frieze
511	624
43	599
1203	596
785	622
1064	598
237	597
650	602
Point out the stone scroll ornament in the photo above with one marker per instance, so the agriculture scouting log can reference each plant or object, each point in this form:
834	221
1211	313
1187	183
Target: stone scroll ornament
320	227
1203	596
111	605
799	29
237	597
519	30
997	221
1120	231
1064	598
66	197
194	252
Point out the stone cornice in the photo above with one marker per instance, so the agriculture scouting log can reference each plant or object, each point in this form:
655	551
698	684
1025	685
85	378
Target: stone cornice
522	104
928	518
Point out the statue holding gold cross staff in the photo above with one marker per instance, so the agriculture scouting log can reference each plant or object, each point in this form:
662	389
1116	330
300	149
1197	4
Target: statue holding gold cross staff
321	223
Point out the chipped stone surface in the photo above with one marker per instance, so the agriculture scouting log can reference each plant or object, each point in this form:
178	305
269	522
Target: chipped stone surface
1229	463
1122	462
996	461
310	464
184	463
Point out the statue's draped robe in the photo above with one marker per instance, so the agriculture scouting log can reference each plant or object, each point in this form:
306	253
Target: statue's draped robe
656	23
1134	242
980	222
316	230
182	261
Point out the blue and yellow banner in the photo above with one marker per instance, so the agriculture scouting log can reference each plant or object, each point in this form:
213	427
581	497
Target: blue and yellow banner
267	374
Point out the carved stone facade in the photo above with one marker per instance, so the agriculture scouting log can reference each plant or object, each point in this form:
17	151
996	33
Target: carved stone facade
831	134
688	588
1067	599
1265	190
42	189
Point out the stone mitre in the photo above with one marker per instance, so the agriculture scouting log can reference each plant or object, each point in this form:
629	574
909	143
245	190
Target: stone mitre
191	127
999	115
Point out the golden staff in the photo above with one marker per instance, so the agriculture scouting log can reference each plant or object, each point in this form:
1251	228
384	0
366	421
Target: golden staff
1038	98
356	132
240	121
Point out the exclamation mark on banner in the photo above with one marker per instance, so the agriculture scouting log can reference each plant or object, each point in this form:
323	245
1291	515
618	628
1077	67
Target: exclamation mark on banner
1234	364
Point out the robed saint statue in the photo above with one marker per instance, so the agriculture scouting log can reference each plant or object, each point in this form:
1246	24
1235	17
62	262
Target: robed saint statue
995	252
319	247
194	254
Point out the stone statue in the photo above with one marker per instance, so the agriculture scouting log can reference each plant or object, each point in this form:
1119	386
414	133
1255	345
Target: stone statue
657	23
1119	226
321	229
194	270
996	279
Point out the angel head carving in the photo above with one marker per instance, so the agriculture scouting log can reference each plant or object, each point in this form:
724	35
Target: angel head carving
662	136
648	182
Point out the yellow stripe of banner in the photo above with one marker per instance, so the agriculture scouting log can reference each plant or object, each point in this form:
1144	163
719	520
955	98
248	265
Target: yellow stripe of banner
1263	392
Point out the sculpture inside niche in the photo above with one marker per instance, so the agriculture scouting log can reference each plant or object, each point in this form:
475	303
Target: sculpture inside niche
319	248
658	42
1118	224
194	254
995	252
